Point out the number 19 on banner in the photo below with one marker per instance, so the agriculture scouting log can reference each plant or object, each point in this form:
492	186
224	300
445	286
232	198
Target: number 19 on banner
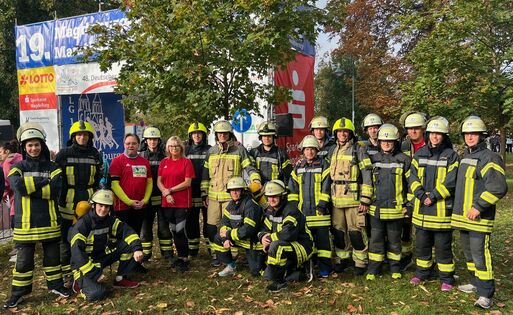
34	45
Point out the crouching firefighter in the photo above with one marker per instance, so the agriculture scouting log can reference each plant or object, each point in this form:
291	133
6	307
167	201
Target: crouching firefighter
239	227
90	253
285	237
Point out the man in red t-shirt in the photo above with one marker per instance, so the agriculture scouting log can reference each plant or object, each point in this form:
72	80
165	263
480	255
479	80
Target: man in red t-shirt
174	180
132	183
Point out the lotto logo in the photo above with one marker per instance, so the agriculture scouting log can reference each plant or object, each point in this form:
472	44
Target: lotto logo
36	78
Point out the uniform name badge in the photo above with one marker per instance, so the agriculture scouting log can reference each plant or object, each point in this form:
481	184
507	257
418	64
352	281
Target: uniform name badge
139	171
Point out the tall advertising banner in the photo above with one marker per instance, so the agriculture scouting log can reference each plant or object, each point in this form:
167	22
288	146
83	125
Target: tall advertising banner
49	66
299	78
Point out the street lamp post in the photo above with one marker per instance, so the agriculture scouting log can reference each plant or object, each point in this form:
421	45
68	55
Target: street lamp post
339	71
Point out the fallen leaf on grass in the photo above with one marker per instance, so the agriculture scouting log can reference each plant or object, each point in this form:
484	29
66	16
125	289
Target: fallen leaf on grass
352	309
248	299
500	304
495	313
338	292
222	310
423	288
161	305
189	304
332	302
238	313
286	302
394	313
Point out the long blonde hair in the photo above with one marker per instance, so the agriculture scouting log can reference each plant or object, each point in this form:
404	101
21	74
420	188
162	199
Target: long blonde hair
178	141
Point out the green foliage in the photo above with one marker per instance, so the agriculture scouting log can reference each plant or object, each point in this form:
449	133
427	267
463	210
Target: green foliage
195	60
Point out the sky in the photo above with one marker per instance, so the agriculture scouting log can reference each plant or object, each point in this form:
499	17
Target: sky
324	44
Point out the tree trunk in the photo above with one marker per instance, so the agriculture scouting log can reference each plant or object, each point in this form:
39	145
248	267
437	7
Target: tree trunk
503	143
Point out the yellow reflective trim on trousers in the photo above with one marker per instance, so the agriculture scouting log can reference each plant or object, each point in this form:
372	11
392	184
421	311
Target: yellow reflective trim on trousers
323	253
279	260
22	274
445	267
491	165
52	268
218	248
126	256
129	239
53	277
249	221
87	267
19	283
342	254
375	257
220	196
393	256
360	255
424	263
469	189
25	212
489	197
70	175
488	273
471	266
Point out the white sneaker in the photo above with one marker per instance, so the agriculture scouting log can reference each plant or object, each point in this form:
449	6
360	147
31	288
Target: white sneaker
227	271
13	258
484	302
467	288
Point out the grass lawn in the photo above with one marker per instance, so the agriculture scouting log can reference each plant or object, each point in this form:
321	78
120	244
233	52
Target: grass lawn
200	291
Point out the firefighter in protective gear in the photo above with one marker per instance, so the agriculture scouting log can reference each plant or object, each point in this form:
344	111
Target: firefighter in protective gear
153	151
351	193
82	169
310	188
414	123
370	126
36	182
90	251
432	182
238	228
284	236
196	151
481	184
390	171
224	160
319	128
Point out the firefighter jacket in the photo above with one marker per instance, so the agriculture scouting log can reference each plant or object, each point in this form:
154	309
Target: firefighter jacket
272	164
82	169
288	224
309	187
351	175
390	174
481	183
89	239
36	184
241	220
154	158
197	154
328	145
371	149
221	163
433	174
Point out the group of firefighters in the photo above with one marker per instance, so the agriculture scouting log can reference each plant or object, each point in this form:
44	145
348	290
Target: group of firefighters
345	203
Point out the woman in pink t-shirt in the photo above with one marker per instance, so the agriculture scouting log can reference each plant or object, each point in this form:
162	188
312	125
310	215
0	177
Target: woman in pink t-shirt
174	181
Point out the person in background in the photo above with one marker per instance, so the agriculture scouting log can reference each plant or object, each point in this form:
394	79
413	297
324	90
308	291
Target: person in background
90	255
319	128
81	166
174	180
36	182
196	151
132	184
152	150
481	184
370	125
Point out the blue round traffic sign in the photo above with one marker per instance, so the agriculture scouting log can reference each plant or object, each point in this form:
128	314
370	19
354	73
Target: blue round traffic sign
241	121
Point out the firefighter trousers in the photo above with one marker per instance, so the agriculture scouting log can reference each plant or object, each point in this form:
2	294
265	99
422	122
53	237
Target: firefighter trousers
175	218
132	217
163	233
476	247
214	215
192	228
406	238
23	271
385	241
350	233
322	244
65	248
88	283
255	257
283	257
425	240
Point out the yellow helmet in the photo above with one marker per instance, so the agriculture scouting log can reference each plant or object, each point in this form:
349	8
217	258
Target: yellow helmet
473	124
343	124
275	187
197	126
236	182
388	132
81	126
30	130
152	133
438	124
103	196
223	126
319	122
266	128
81	209
415	119
309	141
372	120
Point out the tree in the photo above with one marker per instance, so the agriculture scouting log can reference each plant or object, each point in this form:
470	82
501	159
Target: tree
195	59
464	65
